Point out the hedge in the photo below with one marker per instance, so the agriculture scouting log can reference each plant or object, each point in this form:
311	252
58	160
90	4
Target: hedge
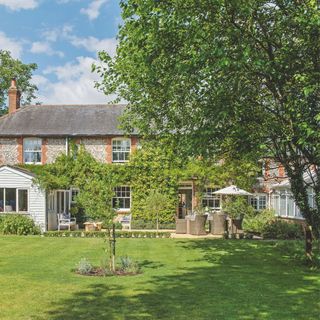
101	234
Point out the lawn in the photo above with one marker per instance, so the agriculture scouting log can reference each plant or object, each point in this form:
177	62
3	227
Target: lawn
181	279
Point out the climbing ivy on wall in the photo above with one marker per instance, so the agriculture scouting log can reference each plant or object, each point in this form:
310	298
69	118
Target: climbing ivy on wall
150	169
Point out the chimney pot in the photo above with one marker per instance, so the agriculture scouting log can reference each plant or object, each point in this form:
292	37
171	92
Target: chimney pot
14	97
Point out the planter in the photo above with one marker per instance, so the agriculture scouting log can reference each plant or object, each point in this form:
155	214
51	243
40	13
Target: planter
197	226
181	226
218	224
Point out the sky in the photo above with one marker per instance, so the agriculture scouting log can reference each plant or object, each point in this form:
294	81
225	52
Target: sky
63	38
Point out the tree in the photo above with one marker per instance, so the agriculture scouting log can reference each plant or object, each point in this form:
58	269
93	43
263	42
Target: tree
14	68
154	204
227	77
95	181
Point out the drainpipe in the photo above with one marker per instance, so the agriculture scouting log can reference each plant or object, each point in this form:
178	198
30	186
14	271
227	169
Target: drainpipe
67	146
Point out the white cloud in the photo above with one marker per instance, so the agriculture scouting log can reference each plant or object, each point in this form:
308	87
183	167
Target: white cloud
45	47
12	45
93	44
74	85
20	4
52	35
93	10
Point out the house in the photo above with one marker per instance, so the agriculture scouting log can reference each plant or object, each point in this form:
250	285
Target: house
38	134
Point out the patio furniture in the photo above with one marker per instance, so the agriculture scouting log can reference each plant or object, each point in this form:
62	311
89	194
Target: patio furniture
92	226
64	220
197	225
181	226
218	224
126	221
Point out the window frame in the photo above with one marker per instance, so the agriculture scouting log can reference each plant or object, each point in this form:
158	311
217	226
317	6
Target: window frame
256	197
122	197
17	200
120	151
24	151
209	196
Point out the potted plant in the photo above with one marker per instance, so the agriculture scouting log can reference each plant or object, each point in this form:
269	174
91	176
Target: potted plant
236	208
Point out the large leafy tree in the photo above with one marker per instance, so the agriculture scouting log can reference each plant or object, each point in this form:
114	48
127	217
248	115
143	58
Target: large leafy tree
217	76
14	68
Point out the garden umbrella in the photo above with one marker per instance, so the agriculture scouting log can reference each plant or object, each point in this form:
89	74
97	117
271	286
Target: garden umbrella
233	190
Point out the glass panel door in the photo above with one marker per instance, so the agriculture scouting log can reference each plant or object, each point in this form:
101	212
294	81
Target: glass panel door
185	203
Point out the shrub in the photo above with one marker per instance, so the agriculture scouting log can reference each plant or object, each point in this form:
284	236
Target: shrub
237	207
18	224
256	221
128	265
151	225
84	266
279	229
101	234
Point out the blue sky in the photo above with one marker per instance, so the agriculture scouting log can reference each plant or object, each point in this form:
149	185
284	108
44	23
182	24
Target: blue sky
63	38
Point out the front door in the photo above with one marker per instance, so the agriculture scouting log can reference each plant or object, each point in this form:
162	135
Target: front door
185	203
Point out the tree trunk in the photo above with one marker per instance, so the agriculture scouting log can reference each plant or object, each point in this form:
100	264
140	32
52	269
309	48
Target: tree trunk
308	230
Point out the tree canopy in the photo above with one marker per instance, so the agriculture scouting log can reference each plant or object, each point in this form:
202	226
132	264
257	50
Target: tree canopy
14	68
236	77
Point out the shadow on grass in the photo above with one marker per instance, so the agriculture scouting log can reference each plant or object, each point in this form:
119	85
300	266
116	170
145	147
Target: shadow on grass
236	280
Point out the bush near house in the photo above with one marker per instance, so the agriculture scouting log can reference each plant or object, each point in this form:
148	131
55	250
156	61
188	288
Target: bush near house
18	224
279	229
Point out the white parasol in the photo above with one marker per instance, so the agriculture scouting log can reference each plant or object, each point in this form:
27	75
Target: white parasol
233	190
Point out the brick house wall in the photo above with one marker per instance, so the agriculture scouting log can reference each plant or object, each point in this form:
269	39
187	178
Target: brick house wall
11	149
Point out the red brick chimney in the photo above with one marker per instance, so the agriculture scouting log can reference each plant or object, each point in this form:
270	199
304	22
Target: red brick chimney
14	97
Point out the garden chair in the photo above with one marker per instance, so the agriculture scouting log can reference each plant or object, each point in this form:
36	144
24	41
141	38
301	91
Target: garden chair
126	222
64	220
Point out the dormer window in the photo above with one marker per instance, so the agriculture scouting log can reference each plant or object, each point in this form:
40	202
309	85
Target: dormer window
32	150
121	149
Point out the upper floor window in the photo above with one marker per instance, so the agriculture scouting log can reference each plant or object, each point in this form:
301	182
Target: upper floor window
32	150
121	150
211	200
122	198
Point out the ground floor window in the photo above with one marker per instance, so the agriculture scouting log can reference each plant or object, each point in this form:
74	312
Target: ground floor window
211	200
284	205
122	198
13	200
259	201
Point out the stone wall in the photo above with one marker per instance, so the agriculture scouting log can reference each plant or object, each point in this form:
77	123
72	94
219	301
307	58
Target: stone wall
97	147
54	147
9	153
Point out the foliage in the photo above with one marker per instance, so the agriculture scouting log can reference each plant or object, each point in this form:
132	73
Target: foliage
256	221
18	224
154	168
279	229
84	266
226	77
14	68
128	265
237	207
145	224
99	234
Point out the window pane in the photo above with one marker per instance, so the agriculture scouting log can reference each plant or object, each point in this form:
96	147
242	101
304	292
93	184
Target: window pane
121	199
32	150
1	199
11	202
23	200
